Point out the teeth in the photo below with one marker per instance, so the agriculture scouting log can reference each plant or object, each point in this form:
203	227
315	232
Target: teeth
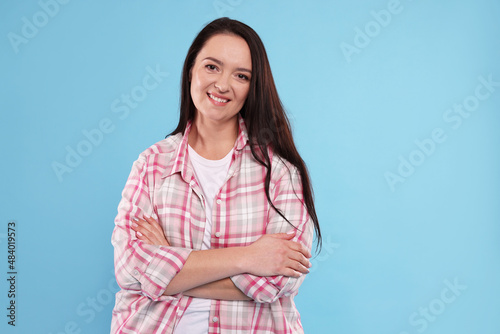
217	98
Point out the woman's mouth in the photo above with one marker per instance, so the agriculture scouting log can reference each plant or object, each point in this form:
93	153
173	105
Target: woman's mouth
217	99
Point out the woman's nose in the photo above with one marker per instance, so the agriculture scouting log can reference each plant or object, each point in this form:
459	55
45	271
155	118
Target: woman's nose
222	84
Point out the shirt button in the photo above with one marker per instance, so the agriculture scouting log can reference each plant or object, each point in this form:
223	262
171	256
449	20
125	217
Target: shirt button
217	234
179	312
192	183
136	272
219	201
215	319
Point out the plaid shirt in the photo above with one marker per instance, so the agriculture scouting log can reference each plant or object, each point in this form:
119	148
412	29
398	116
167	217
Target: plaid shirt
162	184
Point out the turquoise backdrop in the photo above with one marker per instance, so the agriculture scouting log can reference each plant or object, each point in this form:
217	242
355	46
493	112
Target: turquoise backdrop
395	106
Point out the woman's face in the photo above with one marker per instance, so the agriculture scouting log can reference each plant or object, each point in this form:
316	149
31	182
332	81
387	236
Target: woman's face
220	78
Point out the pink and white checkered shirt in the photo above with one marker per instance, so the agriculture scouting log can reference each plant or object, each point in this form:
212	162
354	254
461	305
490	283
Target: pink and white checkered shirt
162	184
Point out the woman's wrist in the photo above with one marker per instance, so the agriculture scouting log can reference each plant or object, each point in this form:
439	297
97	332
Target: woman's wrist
223	289
242	259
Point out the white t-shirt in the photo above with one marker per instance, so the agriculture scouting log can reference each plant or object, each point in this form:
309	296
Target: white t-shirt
211	175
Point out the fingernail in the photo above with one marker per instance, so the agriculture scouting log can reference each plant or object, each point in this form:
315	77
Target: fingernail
135	218
139	233
291	232
134	224
310	265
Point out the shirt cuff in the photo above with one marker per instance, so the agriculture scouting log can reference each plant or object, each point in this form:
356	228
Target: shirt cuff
264	289
162	268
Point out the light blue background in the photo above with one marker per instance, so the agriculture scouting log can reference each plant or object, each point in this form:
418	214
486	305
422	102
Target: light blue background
387	252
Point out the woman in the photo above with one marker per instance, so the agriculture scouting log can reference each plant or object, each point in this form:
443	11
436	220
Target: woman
215	226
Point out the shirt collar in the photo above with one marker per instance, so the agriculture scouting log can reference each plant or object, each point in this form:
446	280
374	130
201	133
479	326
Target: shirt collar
181	164
242	139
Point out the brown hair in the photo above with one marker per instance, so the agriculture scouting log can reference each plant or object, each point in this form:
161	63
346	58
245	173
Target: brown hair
263	112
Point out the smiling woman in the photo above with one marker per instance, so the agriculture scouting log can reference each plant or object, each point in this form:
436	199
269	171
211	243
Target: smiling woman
220	81
215	226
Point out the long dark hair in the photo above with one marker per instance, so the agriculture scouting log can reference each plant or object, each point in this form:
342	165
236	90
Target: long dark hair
263	112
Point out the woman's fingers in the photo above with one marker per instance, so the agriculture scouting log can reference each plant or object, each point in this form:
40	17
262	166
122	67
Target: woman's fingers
293	268
298	259
298	247
144	238
299	256
145	226
149	231
299	262
141	232
276	254
154	225
291	273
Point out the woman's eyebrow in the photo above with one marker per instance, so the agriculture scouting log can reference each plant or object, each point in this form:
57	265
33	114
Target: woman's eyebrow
220	63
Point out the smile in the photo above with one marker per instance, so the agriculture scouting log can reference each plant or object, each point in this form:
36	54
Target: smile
218	99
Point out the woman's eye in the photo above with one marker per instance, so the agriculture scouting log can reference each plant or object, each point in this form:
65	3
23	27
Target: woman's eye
242	76
211	67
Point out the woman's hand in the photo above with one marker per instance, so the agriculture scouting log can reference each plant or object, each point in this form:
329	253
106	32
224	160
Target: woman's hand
149	231
276	254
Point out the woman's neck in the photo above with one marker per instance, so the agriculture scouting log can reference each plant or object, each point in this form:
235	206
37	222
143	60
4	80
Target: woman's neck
211	140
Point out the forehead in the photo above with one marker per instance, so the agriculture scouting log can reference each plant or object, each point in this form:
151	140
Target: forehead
230	49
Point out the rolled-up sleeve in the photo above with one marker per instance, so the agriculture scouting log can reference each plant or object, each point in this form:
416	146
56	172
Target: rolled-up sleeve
140	267
287	196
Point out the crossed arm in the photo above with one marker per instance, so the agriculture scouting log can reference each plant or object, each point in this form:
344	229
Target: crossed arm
206	272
